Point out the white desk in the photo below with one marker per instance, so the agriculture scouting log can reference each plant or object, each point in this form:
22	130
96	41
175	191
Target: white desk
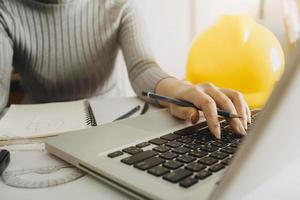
282	186
87	187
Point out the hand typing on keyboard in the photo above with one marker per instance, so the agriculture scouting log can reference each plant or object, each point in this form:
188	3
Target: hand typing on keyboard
187	156
206	97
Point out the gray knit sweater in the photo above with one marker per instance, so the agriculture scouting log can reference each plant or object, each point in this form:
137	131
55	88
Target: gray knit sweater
66	49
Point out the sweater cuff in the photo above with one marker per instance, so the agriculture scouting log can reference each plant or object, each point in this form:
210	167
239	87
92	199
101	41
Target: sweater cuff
147	82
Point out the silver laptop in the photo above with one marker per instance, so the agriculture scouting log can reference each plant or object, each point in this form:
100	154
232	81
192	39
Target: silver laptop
156	156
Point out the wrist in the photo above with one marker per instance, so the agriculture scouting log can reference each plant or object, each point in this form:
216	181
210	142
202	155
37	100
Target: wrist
170	87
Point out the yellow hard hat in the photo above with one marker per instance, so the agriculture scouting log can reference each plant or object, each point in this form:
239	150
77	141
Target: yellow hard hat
240	54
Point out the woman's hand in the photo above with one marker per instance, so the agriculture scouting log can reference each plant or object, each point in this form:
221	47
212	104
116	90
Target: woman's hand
206	97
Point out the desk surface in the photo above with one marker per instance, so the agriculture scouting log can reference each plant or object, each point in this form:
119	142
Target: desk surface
86	186
282	186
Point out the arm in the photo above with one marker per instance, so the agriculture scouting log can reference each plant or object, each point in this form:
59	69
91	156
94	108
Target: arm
146	75
143	71
6	56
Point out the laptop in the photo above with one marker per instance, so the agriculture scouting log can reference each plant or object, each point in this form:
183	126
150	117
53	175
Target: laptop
156	156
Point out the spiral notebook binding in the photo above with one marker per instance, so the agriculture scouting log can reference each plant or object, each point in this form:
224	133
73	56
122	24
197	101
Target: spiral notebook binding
90	117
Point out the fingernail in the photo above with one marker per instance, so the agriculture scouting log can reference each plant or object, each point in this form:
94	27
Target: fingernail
242	130
249	120
217	131
194	117
218	135
245	124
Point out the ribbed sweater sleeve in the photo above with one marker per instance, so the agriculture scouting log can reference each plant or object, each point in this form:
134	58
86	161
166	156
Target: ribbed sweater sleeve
66	49
143	71
6	56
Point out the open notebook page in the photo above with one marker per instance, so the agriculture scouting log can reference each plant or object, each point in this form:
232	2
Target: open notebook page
40	120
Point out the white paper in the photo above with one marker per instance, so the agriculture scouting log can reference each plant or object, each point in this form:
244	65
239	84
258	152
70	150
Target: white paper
40	120
107	110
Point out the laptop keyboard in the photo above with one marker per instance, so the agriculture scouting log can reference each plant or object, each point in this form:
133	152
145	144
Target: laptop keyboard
186	156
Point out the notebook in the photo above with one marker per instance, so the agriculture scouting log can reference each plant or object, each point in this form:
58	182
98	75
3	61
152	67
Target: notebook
48	119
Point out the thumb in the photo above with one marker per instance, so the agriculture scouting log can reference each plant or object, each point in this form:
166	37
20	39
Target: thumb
189	114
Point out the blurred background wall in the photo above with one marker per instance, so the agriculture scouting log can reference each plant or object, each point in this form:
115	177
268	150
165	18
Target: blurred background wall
172	25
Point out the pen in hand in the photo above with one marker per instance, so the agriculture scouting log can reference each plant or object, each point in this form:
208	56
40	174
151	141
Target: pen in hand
184	103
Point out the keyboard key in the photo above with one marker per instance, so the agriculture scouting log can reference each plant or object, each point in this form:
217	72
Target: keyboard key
203	174
195	167
195	136
158	141
229	150
200	142
216	167
209	148
149	163
227	129
174	144
191	129
185	140
235	145
226	161
168	155
161	149
223	124
230	137
173	164
219	155
206	136
170	137
143	144
115	154
181	150
188	182
177	175
185	159
132	150
198	153
139	157
186	131
158	171
192	146
208	160
219	143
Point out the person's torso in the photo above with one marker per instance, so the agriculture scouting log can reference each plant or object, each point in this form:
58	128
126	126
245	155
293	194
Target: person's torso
65	50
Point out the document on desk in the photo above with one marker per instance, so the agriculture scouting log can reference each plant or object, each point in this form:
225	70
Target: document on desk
42	120
32	156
